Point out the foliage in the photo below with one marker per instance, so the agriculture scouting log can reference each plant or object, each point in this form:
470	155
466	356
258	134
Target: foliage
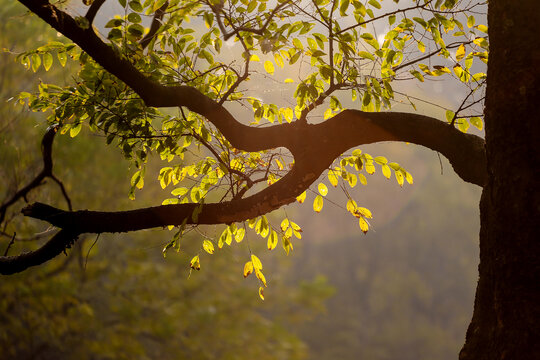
332	46
103	300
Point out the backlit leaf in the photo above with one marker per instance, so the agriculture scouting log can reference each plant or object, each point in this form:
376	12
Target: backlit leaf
272	240
318	203
195	263
257	265
363	225
208	246
269	67
248	269
323	190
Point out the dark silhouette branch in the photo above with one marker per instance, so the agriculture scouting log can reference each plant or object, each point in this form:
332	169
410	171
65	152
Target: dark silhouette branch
156	24
47	171
93	10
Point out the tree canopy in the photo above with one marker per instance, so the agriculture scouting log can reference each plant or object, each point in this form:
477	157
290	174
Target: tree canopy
181	79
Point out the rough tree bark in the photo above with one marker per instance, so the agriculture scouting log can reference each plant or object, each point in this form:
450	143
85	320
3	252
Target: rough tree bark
505	323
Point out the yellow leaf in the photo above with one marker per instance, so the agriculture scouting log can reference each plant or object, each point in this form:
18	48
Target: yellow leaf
257	265
301	198
370	168
239	235
261	292
194	263
332	177
296	227
272	240
386	171
460	53
362	179
318	203
284	224
408	177
289	80
352	180
323	190
254	58
208	246
364	212
248	269
363	225
260	276
269	67
351	206
399	178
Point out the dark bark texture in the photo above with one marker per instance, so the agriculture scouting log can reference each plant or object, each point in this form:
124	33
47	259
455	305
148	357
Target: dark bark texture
505	322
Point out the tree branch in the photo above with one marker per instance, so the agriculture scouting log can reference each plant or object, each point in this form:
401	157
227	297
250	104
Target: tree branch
314	147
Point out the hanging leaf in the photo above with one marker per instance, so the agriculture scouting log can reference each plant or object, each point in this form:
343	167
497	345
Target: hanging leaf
257	265
194	263
333	178
272	240
208	246
248	269
363	225
318	203
269	67
261	292
323	190
239	234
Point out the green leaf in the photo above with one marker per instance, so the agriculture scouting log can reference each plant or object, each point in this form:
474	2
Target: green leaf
470	21
375	4
47	61
477	122
318	203
366	55
75	130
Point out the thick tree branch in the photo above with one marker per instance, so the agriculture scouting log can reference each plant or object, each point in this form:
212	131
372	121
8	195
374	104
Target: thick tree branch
314	147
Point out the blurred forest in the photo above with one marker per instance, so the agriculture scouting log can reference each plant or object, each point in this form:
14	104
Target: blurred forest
404	291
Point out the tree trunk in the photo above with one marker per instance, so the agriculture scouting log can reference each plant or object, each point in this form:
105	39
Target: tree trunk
506	318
